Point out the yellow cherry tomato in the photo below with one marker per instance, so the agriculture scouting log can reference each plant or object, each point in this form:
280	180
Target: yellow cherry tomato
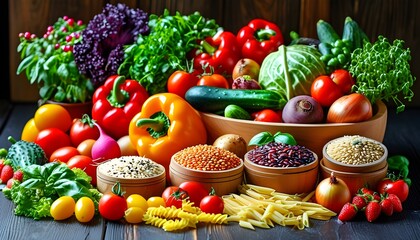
30	131
84	210
62	208
136	200
155	202
52	116
134	215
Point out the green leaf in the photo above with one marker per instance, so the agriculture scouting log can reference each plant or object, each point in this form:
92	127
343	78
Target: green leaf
285	138
24	64
63	72
261	139
50	63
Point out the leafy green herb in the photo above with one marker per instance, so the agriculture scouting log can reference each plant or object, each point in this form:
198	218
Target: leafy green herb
154	57
382	71
264	138
45	183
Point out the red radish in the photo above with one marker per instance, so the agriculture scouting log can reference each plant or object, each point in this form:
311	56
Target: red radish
105	147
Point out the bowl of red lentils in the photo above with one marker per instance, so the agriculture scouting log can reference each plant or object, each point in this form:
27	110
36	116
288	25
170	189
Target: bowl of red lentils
357	160
136	175
285	168
210	165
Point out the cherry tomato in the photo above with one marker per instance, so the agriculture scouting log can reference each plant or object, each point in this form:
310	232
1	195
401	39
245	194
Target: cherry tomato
63	154
134	215
212	203
79	161
84	209
112	205
51	139
137	200
325	91
195	190
29	131
85	147
83	129
343	79
214	80
398	187
180	81
155	202
62	208
267	115
173	196
52	116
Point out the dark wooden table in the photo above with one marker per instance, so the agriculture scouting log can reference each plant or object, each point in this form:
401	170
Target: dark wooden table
402	137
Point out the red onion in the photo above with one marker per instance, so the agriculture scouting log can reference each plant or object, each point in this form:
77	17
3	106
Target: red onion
302	109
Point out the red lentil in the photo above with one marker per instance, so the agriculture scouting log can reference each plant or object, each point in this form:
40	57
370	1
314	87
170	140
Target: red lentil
207	158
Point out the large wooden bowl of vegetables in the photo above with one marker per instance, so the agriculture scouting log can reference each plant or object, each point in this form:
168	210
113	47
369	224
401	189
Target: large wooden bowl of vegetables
312	136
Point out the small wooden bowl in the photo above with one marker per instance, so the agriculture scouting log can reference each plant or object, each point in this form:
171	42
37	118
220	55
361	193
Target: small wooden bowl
146	187
355	181
292	180
223	182
335	165
312	136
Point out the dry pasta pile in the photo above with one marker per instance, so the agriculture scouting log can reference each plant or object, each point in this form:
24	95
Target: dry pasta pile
262	207
172	218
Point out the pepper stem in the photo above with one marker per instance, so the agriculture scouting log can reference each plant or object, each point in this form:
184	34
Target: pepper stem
208	47
118	97
157	125
264	34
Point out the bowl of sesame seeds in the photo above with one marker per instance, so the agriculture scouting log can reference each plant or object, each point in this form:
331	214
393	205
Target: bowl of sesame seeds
285	168
357	160
136	175
210	165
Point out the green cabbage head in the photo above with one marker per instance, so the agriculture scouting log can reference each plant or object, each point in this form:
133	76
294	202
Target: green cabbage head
291	70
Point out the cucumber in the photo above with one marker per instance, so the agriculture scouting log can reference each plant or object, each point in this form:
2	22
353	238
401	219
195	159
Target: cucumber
236	112
351	33
326	33
214	99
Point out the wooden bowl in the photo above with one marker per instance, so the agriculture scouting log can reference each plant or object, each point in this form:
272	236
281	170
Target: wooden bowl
335	165
312	136
291	180
355	181
146	186
224	181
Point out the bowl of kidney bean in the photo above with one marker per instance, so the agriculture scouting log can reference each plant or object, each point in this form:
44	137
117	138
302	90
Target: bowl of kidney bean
285	168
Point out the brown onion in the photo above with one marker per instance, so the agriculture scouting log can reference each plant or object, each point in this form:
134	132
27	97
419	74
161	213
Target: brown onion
351	108
332	193
246	66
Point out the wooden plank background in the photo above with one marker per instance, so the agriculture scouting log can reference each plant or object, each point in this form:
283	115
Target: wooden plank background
395	19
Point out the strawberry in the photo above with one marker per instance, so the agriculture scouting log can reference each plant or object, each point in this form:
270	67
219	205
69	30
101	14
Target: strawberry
387	207
10	183
359	201
6	173
18	175
364	191
396	202
1	164
372	211
348	212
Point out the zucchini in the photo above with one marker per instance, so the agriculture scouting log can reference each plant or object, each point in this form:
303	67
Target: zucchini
236	112
351	33
326	33
214	99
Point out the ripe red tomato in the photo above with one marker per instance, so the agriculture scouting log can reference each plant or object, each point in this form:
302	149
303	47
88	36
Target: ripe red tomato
195	190
63	154
213	80
173	196
267	115
180	81
83	129
325	91
79	161
112	205
343	79
212	204
398	187
51	139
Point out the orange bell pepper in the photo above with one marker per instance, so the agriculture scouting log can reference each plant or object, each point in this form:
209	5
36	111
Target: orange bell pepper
166	124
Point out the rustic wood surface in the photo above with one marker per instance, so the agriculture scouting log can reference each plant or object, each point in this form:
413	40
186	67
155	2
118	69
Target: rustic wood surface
391	18
401	138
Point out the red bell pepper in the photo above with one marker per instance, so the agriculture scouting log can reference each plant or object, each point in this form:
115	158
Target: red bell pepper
259	38
220	52
116	102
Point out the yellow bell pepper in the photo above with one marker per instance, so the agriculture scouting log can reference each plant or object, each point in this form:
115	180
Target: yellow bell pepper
166	124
